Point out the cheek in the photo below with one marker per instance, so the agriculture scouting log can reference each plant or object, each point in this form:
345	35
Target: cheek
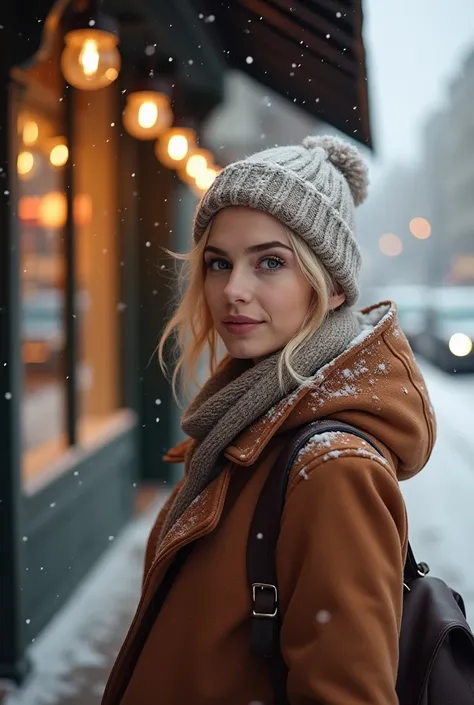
212	293
290	296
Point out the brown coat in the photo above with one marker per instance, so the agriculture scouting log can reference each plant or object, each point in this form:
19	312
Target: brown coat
340	554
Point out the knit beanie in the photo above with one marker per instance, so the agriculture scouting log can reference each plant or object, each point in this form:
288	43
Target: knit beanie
312	188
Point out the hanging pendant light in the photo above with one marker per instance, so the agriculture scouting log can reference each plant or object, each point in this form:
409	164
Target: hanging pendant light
148	111
175	145
197	161
205	179
90	59
58	152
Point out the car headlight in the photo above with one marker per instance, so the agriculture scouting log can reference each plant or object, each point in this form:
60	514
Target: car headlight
460	344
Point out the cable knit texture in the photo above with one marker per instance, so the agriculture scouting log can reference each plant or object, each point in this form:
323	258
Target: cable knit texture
313	188
240	393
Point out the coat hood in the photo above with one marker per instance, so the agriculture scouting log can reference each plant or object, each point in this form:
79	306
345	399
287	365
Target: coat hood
374	385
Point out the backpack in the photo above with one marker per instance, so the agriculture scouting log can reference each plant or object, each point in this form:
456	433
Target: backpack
436	648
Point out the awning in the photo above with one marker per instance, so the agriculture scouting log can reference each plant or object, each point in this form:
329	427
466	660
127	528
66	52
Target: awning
310	51
174	27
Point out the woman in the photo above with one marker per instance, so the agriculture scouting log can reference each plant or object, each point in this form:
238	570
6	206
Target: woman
273	275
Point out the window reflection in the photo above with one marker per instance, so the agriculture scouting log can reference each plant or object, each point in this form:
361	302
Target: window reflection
41	155
42	216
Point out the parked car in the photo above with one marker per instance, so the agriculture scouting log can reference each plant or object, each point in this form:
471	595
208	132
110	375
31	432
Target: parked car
447	339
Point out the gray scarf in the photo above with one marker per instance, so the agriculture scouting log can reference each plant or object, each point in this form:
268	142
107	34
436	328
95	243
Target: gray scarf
240	393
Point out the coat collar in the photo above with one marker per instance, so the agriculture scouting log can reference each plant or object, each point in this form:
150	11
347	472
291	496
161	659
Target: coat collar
252	441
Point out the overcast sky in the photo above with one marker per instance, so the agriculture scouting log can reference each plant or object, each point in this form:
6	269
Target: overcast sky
414	47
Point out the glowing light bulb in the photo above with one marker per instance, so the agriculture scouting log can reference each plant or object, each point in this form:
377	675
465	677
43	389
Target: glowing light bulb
147	114
89	58
205	179
175	146
30	132
59	155
25	163
178	147
196	164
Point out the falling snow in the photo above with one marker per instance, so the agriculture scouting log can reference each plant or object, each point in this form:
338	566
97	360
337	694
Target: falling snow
323	616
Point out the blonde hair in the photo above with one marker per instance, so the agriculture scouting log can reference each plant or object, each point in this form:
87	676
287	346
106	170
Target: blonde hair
192	327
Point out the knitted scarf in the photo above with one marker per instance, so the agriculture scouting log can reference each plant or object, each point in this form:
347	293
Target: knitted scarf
239	393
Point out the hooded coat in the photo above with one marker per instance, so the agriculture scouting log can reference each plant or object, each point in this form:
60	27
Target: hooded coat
340	553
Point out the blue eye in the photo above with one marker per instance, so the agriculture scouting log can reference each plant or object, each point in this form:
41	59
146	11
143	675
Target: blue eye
276	263
221	265
210	265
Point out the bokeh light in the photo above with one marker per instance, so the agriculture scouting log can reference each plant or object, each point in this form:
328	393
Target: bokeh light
390	245
420	228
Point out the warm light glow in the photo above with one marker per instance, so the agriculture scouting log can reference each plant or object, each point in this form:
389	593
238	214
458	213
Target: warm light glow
28	207
147	114
178	148
196	165
82	209
420	228
460	344
111	75
197	161
52	211
30	132
25	163
90	59
174	146
390	245
59	155
35	208
206	178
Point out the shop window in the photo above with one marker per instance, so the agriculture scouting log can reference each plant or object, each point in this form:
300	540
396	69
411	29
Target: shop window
95	182
41	153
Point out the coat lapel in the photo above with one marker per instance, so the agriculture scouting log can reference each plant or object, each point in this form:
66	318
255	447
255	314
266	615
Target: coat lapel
199	519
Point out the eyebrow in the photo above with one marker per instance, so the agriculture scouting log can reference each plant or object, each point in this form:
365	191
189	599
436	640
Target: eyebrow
253	248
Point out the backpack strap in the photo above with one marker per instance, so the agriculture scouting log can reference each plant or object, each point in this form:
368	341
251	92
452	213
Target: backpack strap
261	551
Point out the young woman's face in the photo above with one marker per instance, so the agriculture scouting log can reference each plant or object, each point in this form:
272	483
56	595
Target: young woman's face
254	287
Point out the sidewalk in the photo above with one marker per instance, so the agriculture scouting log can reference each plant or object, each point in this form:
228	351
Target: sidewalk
73	656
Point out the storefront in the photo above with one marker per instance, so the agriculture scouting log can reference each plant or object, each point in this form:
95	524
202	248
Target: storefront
82	301
86	204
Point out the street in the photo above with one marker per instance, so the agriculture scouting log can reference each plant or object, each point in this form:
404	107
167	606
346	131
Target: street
440	499
74	654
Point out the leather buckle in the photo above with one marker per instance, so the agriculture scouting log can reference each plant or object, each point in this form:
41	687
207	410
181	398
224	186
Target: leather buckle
264	586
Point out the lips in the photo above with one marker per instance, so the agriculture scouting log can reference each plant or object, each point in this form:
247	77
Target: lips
242	328
239	320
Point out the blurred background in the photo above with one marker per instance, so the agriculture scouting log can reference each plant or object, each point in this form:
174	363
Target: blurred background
115	118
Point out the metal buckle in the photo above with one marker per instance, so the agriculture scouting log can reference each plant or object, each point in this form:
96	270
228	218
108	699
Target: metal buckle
265	586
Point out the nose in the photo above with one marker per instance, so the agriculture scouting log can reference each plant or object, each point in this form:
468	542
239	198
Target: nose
237	287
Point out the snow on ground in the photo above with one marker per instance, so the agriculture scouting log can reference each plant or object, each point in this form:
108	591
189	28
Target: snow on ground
73	656
440	499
